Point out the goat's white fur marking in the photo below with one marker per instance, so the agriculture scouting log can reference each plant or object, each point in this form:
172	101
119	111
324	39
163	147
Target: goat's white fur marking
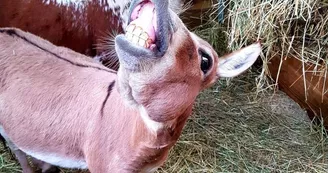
58	160
67	1
150	124
121	5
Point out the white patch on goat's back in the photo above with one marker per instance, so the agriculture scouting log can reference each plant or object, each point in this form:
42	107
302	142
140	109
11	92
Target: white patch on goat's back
67	1
123	7
119	8
60	161
150	124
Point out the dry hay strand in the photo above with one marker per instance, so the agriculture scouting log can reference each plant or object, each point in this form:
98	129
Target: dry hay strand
294	29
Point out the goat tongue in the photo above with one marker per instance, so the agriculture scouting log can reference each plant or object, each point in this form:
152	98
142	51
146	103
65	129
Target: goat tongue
142	29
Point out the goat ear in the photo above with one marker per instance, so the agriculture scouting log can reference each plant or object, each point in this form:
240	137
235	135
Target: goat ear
237	62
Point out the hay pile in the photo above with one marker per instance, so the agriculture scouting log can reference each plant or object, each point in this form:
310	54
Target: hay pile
294	29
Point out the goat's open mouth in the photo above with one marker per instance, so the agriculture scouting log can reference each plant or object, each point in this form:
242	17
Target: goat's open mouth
147	35
143	26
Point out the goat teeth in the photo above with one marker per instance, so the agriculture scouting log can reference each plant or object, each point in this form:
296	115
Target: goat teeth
138	31
137	36
129	36
139	41
144	36
130	28
142	43
135	39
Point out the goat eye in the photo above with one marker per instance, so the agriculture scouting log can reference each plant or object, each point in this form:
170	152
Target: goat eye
206	62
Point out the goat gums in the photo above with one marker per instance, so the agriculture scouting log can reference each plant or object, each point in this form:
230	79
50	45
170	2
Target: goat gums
62	108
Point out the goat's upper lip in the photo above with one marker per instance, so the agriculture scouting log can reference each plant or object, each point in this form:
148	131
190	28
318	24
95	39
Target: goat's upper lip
130	52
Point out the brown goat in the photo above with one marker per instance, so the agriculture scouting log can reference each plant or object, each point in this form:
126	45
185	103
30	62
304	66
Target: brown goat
65	109
85	26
